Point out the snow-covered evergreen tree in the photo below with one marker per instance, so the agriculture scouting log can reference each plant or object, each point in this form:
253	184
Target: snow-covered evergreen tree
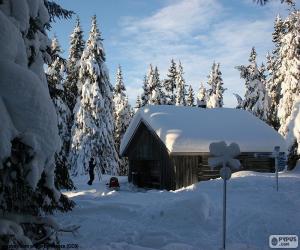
73	65
293	135
289	72
92	132
239	100
181	88
216	90
29	134
138	104
157	96
256	99
122	117
146	90
273	90
190	100
170	84
273	84
201	97
55	76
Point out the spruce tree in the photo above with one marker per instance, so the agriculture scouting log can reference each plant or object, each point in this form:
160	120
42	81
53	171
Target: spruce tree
239	100
201	97
146	91
274	80
190	97
289	73
157	96
181	88
28	194
256	98
122	117
55	76
273	90
170	84
73	65
216	90
138	104
92	132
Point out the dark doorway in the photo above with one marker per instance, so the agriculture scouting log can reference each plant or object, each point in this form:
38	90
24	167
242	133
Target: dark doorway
149	174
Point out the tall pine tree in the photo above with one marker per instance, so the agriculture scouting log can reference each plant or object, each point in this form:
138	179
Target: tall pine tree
92	132
201	97
146	89
170	84
73	65
138	104
274	80
181	87
289	72
216	90
29	134
55	76
122	117
256	98
190	101
157	96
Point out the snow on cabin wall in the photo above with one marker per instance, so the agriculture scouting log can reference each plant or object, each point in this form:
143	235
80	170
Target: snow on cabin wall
192	129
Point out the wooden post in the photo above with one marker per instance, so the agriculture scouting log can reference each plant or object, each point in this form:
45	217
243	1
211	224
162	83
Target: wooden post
224	214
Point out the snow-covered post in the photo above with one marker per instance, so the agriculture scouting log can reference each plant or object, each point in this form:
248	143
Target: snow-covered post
276	156
224	156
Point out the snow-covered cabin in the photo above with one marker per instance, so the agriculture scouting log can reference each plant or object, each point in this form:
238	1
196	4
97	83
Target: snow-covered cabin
168	146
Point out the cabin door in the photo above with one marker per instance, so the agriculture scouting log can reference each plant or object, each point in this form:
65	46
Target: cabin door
150	174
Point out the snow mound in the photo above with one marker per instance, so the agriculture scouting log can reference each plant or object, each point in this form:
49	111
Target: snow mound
192	129
189	218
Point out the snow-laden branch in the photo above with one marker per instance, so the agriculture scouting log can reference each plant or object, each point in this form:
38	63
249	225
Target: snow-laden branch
10	225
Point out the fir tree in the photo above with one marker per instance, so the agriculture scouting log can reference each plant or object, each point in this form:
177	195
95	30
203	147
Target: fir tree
289	73
73	65
157	96
273	90
256	99
216	90
170	84
92	132
293	135
274	80
239	100
181	88
201	97
27	168
55	77
190	97
146	91
122	117
138	103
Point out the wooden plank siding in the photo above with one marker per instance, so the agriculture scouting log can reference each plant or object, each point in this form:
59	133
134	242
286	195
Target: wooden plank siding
186	170
248	162
145	151
156	168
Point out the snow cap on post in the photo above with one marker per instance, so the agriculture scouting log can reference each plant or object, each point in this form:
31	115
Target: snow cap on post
224	154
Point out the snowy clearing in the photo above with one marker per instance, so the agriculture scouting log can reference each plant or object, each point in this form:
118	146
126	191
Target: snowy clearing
188	218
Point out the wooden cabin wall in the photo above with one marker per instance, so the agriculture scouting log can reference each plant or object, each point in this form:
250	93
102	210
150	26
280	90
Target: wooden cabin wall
248	162
178	170
186	170
146	147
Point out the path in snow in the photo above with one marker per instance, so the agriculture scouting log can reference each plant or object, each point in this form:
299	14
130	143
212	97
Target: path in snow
185	219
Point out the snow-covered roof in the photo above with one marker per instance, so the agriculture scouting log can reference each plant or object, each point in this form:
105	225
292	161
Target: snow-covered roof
192	129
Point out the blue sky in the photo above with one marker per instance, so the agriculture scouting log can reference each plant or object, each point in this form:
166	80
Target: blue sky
196	32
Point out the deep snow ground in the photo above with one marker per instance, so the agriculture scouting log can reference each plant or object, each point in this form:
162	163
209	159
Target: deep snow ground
185	219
